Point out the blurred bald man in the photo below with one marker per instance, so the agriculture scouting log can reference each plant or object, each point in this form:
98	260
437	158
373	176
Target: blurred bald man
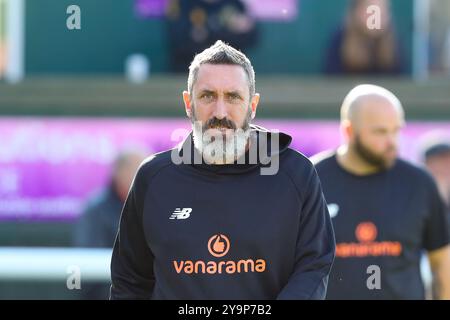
385	211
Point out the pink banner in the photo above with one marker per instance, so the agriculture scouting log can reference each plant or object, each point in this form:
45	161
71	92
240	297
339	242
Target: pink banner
49	166
266	10
277	10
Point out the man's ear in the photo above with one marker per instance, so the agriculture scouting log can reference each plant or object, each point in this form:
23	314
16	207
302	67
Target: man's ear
187	103
347	130
254	104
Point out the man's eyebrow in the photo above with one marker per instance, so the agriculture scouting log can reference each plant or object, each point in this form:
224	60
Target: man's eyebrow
202	91
212	92
234	92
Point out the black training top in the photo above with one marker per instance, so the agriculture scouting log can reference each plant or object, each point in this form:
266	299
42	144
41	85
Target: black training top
384	220
198	231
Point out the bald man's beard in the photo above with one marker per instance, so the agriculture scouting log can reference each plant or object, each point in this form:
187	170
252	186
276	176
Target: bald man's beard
216	147
380	161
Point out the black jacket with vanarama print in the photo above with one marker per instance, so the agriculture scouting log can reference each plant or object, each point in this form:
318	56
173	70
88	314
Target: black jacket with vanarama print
198	231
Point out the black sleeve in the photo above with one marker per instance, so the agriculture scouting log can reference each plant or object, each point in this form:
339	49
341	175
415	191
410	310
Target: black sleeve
436	233
315	247
132	261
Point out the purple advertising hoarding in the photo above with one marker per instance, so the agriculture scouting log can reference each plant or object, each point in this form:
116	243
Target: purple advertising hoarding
49	166
267	10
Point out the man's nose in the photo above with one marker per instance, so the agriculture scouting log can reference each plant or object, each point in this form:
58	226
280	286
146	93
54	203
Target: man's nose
220	110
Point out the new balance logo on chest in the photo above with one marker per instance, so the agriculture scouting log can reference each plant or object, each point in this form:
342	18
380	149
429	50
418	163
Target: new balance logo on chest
181	214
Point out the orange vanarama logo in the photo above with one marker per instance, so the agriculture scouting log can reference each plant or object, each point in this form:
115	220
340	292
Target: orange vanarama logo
218	246
366	233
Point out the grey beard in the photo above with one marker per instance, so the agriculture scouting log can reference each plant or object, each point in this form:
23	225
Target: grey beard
217	148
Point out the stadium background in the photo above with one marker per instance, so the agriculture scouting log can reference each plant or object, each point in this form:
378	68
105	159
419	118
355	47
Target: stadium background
74	81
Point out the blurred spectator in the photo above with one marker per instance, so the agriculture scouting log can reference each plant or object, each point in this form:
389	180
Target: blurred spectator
98	225
440	36
356	49
436	156
2	59
2	40
196	24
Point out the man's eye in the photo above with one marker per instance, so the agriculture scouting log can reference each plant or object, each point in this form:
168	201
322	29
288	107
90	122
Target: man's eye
234	97
207	96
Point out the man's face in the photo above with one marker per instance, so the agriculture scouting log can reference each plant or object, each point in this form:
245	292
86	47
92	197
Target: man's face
376	132
221	92
220	101
439	166
124	175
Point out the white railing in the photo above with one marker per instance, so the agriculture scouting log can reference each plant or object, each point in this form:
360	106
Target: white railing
45	264
33	264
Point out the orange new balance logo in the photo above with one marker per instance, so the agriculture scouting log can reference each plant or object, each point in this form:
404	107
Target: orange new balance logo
218	246
366	233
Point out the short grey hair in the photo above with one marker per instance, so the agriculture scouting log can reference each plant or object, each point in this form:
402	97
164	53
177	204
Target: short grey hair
221	53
